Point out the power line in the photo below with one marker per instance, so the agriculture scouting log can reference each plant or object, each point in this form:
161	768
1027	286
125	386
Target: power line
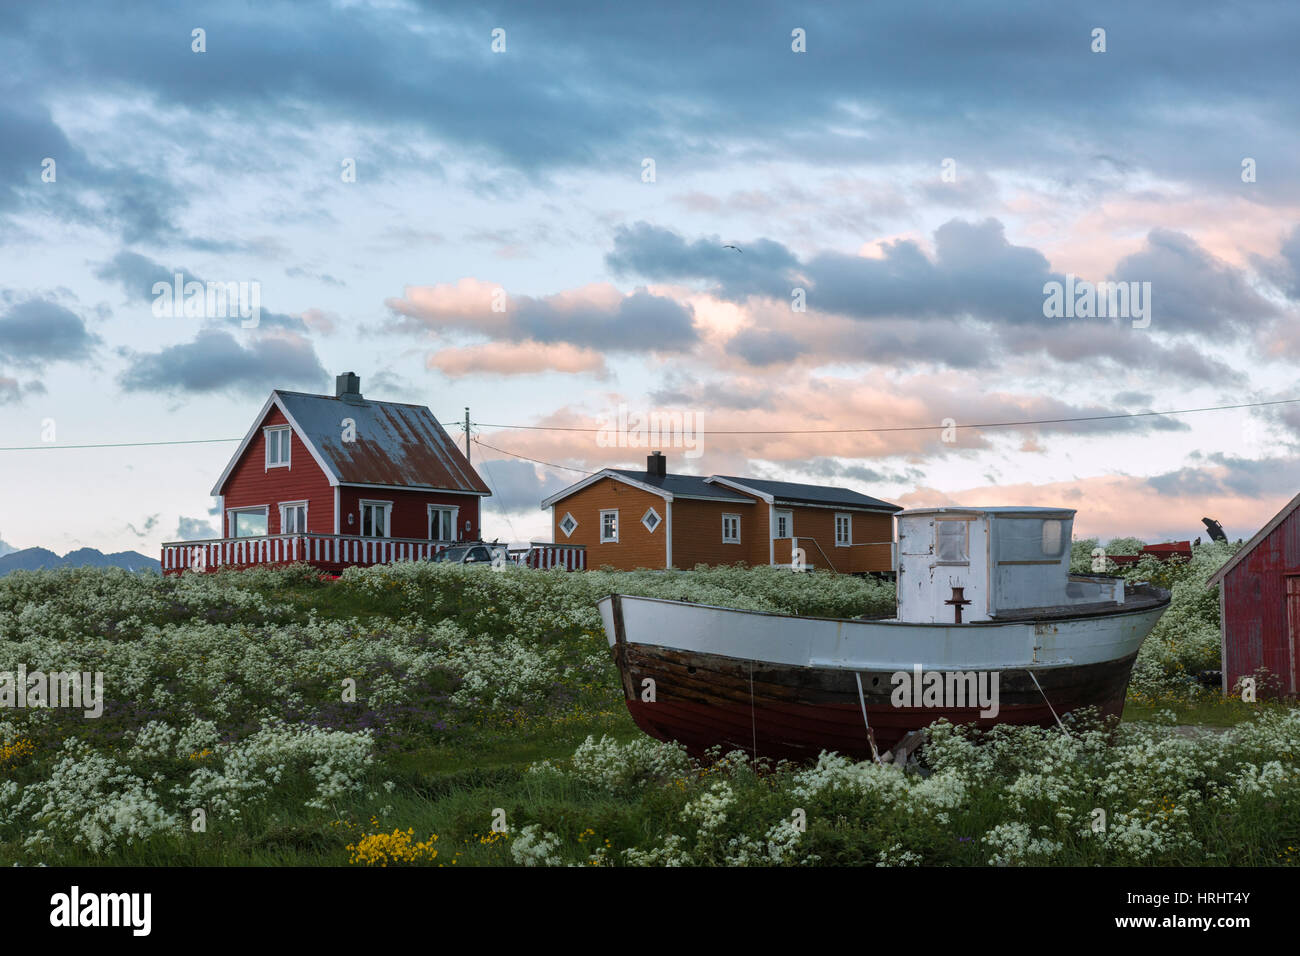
128	444
123	444
536	461
916	428
775	431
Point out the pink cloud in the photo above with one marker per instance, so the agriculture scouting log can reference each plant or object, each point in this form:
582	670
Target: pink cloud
524	358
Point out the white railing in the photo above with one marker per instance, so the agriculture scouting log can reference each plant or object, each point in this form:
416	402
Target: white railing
333	551
316	549
544	555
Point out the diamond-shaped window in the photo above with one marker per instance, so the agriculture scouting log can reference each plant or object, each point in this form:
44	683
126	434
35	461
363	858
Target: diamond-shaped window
568	524
651	520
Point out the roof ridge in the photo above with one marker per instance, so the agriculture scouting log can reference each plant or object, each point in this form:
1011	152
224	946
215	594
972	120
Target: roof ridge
335	398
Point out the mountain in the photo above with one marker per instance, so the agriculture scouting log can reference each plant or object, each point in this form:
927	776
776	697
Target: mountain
32	559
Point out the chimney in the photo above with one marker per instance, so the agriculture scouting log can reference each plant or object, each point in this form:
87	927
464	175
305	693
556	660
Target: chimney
347	387
656	465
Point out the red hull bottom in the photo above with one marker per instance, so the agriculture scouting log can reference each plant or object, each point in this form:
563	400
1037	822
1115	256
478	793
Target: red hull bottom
704	701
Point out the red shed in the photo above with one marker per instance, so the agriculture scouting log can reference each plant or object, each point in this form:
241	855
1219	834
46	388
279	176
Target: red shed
1259	603
337	480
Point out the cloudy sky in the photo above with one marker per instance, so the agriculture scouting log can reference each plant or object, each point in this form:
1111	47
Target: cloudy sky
526	209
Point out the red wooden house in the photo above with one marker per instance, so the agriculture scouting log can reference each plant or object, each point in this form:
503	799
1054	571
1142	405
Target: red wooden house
338	480
1259	604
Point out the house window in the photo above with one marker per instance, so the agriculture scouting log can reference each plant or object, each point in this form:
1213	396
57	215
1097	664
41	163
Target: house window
442	523
609	527
375	518
277	446
952	542
843	531
248	522
651	520
293	517
784	524
731	529
568	524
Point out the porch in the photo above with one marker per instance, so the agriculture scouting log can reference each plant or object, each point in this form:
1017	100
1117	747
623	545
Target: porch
331	553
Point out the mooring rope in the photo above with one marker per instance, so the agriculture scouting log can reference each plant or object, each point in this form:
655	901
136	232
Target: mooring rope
871	738
753	721
1047	702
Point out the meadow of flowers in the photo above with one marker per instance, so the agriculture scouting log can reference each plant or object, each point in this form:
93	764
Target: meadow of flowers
428	714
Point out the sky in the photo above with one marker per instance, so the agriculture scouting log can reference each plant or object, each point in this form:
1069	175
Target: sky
779	222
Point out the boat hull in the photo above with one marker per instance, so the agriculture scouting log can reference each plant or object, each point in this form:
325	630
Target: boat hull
678	686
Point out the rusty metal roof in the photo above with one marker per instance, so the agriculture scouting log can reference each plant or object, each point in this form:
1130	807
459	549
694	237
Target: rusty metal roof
396	444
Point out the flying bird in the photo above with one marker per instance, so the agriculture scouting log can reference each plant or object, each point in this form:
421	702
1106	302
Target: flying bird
737	248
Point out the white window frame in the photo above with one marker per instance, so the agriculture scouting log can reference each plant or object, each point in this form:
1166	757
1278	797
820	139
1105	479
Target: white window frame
231	519
285	506
789	524
658	520
725	539
568	517
273	431
614	539
965	547
848	518
455	521
361	517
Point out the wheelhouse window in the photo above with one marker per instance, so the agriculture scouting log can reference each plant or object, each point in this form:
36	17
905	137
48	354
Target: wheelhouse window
1030	540
568	524
277	446
293	517
731	529
442	523
784	525
374	518
843	530
609	527
952	542
248	522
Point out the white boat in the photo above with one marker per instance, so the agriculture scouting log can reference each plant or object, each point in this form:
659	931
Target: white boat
990	628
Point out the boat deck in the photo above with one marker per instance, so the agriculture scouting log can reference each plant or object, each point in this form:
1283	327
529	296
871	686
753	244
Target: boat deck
1137	597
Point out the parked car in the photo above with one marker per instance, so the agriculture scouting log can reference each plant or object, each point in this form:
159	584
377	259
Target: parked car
466	554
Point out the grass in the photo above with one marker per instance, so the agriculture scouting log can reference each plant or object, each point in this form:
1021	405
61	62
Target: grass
451	767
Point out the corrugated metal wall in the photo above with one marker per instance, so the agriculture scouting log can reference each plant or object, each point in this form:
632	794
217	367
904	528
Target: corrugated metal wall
1256	631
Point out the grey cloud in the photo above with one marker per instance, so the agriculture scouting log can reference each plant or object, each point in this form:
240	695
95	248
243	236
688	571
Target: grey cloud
195	529
1225	474
759	347
216	362
1190	290
516	485
137	274
37	331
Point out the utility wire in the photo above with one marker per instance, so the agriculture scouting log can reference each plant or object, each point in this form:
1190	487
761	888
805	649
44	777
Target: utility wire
801	431
917	428
536	461
123	444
